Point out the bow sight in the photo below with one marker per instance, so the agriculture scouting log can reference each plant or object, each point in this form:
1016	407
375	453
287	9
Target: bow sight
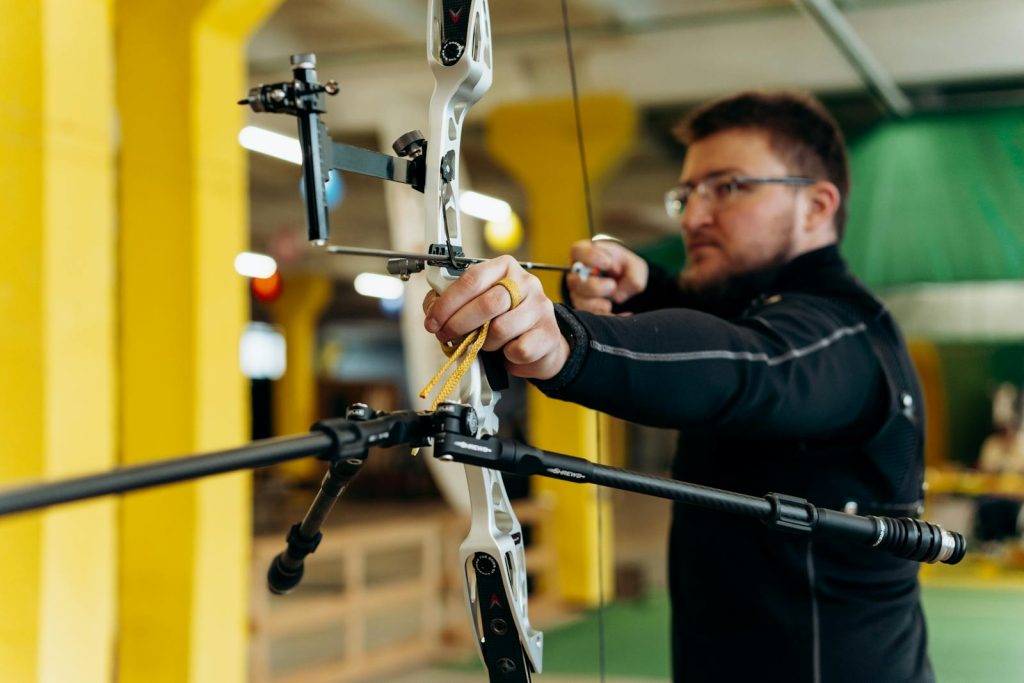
303	98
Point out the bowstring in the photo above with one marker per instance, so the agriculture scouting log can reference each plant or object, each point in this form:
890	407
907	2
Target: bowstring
598	492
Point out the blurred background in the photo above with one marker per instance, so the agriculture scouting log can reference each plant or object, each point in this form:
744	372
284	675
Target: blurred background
134	332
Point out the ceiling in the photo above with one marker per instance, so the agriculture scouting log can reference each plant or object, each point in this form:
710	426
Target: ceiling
664	55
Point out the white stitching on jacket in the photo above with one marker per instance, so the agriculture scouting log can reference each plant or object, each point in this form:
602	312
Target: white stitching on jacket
682	356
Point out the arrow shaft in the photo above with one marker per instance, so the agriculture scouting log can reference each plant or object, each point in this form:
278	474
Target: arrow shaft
433	258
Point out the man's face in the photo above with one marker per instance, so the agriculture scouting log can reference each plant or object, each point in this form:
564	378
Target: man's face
753	228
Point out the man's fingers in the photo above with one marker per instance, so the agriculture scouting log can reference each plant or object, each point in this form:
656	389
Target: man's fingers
538	354
522	317
625	275
626	290
598	305
591	287
591	254
512	324
476	280
428	301
472	315
493	303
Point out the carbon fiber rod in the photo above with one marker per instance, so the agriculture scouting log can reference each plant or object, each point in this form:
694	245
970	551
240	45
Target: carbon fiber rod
125	479
911	539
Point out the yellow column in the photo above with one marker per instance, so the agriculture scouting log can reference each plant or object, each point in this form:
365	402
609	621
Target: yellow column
57	410
928	363
536	142
185	557
302	300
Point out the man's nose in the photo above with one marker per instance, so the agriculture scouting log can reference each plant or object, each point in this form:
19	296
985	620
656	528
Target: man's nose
696	214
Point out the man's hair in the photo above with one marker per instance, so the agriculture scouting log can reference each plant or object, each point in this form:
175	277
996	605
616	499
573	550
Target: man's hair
800	132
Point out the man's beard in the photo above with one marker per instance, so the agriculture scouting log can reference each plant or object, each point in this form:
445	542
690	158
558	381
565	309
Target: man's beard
729	293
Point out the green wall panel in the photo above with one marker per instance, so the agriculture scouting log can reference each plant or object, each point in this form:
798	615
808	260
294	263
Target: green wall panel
938	199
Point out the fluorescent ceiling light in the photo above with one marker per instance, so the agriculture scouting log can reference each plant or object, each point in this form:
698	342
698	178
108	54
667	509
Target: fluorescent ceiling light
249	264
485	207
270	143
379	286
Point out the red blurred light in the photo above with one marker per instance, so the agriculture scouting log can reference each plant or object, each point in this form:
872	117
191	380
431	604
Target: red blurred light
267	289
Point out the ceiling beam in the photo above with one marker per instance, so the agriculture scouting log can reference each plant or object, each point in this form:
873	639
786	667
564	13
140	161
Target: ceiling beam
406	17
860	57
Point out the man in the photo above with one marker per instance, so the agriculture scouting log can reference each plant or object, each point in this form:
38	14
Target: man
781	373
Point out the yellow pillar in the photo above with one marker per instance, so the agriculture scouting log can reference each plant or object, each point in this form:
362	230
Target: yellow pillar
300	305
57	407
185	557
536	142
928	363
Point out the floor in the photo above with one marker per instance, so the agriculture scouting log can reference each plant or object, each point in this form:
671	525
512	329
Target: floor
976	636
975	616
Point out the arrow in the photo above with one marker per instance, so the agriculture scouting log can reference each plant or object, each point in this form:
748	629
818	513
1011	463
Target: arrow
442	260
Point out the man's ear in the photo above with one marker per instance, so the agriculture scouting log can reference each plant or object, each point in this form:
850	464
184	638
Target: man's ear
823	201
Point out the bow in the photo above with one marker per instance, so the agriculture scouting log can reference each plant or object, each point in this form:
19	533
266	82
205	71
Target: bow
459	53
492	555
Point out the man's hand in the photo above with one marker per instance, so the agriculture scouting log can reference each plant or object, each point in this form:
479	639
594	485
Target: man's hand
627	276
528	335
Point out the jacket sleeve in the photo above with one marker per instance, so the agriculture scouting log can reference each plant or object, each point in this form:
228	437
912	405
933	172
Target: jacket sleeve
793	368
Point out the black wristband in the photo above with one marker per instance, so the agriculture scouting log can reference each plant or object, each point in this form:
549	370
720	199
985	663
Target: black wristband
579	342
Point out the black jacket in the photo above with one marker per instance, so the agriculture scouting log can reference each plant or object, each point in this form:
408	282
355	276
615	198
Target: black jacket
805	389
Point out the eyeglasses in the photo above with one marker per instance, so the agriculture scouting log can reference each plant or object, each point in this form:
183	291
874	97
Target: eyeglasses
718	190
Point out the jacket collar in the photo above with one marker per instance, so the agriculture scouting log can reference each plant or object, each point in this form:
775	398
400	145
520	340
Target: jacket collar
820	270
810	268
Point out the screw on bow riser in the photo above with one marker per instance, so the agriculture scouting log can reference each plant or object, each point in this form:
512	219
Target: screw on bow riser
411	145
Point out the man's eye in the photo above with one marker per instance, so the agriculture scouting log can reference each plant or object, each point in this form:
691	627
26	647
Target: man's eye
724	189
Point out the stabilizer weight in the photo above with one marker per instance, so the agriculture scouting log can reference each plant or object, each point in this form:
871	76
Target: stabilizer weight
915	539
